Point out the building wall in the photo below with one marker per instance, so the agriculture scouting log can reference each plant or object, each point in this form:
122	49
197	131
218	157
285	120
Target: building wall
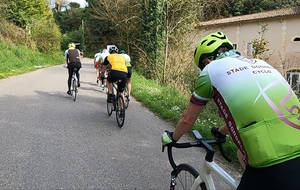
284	52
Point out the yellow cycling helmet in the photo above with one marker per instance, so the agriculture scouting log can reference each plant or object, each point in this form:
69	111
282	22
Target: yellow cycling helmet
209	46
71	45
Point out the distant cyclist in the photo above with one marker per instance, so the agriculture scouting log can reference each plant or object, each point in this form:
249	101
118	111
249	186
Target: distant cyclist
129	68
72	56
96	64
118	71
260	110
103	55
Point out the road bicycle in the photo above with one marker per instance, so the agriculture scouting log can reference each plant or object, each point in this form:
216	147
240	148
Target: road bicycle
126	95
117	105
184	176
74	85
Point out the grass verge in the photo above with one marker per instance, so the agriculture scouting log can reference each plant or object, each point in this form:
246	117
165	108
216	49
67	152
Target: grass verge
16	60
168	103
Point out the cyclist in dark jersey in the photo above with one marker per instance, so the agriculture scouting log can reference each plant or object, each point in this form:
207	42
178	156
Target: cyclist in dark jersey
72	56
260	110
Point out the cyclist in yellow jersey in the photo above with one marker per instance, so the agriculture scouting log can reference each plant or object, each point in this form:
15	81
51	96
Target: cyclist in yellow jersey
260	110
118	71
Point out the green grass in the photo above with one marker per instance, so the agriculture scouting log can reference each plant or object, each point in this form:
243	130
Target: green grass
168	103
16	60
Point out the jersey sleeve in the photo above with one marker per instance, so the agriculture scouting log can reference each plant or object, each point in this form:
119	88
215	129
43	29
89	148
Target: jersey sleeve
66	56
203	91
105	62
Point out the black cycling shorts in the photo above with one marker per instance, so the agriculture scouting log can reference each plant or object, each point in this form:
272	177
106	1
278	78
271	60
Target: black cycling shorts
278	177
71	67
119	76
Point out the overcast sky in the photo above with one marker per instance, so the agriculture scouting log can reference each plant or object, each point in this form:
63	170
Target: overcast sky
81	2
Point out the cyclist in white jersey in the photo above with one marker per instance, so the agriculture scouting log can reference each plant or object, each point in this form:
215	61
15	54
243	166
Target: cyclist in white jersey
97	64
103	55
259	108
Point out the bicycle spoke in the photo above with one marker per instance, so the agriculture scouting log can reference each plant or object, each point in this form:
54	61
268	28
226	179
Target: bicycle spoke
120	111
184	177
73	90
126	94
110	107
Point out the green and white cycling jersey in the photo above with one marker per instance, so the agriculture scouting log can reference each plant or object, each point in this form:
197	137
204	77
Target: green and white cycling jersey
127	59
258	106
103	56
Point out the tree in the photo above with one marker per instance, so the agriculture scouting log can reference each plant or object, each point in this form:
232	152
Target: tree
25	12
259	45
181	19
153	33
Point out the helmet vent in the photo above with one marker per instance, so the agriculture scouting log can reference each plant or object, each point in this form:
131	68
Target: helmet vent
203	42
211	42
223	37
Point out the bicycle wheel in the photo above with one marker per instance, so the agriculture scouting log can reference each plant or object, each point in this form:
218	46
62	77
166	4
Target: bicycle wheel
126	95
74	89
120	111
184	176
110	108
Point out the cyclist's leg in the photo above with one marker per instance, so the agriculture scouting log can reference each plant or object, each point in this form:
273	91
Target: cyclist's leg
110	78
279	176
122	79
102	79
78	66
70	71
129	80
96	66
97	75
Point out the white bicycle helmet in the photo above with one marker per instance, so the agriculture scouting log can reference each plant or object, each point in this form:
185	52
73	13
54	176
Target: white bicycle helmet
113	48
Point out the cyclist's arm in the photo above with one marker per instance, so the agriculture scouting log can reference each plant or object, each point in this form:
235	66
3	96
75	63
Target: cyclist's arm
224	130
66	56
104	67
187	119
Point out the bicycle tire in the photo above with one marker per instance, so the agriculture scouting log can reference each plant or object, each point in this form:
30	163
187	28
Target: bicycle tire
184	176
110	108
126	95
120	111
74	89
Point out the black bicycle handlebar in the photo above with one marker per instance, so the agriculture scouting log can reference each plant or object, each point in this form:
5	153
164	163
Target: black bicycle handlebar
200	142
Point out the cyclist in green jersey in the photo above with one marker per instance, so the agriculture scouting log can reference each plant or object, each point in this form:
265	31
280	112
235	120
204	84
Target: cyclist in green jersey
260	110
129	68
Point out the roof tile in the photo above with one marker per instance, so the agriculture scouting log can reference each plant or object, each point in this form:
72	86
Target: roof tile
262	15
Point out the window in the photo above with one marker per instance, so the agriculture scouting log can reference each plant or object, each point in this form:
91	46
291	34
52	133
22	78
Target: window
293	78
249	49
297	39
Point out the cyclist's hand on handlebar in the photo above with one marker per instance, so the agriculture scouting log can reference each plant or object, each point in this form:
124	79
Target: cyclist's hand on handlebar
167	138
217	135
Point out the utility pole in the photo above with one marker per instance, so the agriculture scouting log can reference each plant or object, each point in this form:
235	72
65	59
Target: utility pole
82	33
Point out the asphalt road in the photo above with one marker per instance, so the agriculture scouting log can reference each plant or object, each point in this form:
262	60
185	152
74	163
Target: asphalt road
50	142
